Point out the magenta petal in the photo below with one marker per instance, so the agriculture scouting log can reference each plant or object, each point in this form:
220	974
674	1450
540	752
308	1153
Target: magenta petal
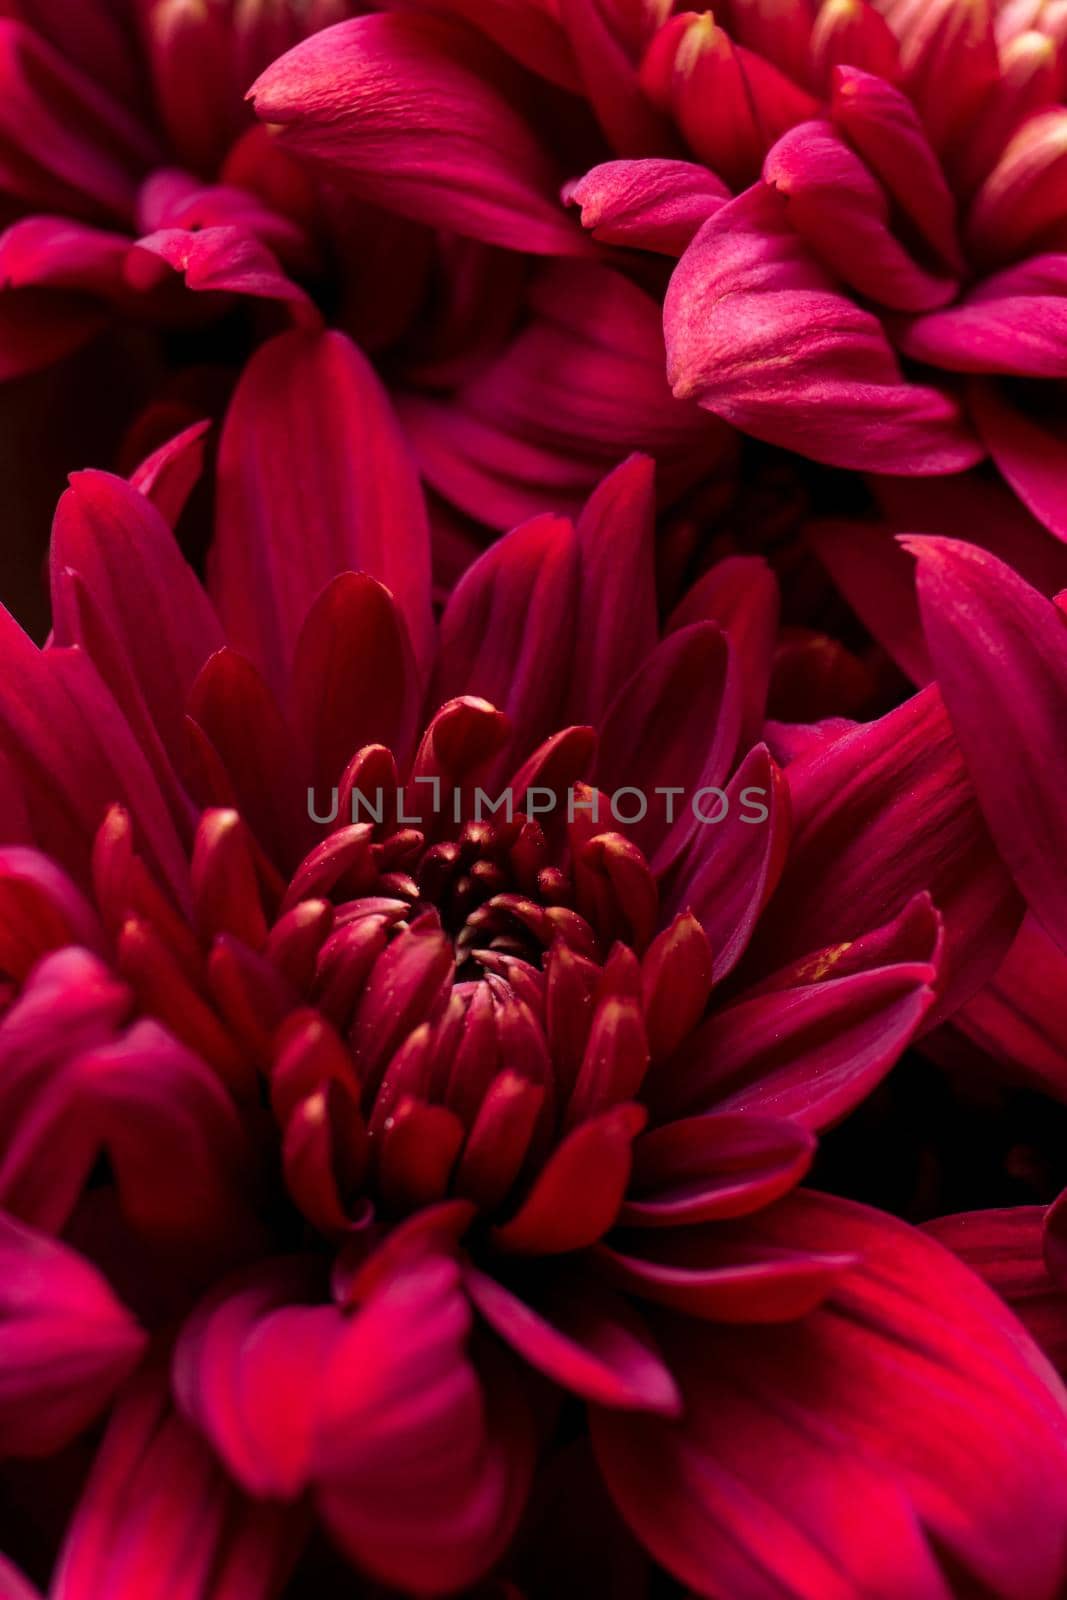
724	1272
1028	450
507	632
1000	650
421	1477
649	739
13	1586
66	144
758	333
1014	322
144	591
298	505
814	1049
169	475
839	208
1006	1249
840	1455
73	755
1020	1016
396	107
576	1196
868	566
725	1164
733	867
880	814
648	205
221	260
740	593
66	1343
247	1372
617	625
354	682
585	1338
156	1504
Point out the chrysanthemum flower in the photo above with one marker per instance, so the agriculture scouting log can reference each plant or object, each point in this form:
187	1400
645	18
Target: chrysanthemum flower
366	1169
865	199
145	201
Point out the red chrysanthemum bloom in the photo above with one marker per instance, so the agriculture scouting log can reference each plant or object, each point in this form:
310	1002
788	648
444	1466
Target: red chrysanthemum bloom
344	1160
865	199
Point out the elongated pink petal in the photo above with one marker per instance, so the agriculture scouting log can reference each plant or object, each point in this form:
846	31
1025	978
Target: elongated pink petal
577	389
1000	650
842	212
585	1338
510	616
143	589
724	1164
73	755
13	1586
948	58
883	813
724	1272
56	253
247	1371
648	743
66	1342
1014	322
740	593
159	1517
1020	1016
758	333
422	1476
1014	213
221	260
882	124
616	626
354	681
283	534
733	866
814	1048
67	145
1005	1248
1028	449
606	39
576	1196
649	205
867	564
169	475
394	107
842	1454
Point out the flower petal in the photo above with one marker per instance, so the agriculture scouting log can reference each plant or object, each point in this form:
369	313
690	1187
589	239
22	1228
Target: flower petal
758	333
414	114
66	1343
585	1338
840	1455
880	814
1000	650
298	505
647	205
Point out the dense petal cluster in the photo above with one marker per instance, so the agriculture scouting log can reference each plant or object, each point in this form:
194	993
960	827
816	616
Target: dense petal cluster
533	860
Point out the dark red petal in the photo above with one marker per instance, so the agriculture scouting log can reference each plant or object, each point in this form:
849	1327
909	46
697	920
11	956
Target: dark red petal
412	113
66	1343
297	505
585	1338
1000	650
881	814
733	867
354	680
576	1196
840	1455
725	1164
